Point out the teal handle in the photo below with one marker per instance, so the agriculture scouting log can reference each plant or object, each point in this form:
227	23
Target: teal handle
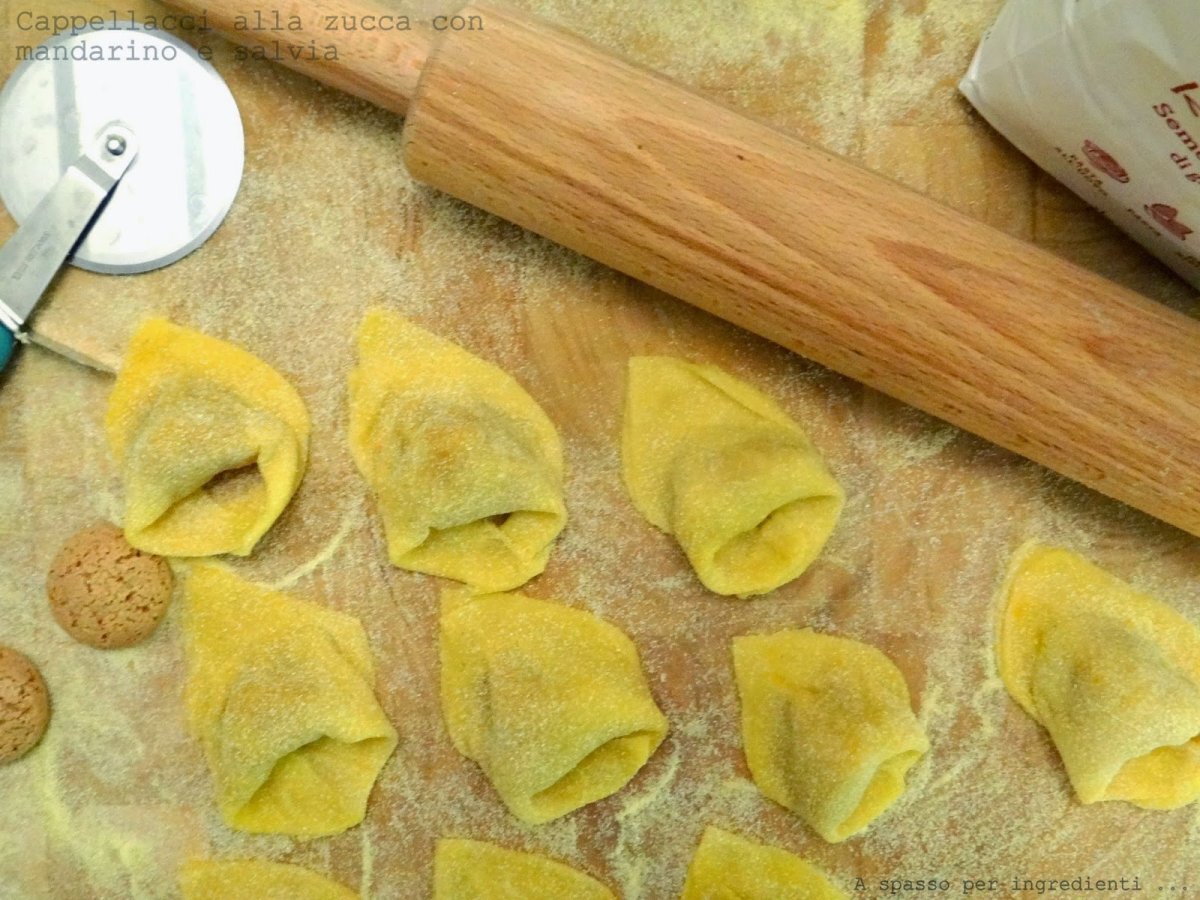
6	346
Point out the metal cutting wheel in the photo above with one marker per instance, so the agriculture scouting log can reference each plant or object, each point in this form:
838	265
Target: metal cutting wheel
121	151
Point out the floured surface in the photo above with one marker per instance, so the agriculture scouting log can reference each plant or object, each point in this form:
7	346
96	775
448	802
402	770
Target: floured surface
326	225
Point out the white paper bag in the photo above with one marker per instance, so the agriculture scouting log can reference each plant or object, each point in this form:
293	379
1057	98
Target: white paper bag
1105	96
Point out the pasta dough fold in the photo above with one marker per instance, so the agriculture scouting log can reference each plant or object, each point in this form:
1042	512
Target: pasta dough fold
724	469
828	727
185	409
1112	674
729	867
466	468
550	701
476	870
253	879
280	693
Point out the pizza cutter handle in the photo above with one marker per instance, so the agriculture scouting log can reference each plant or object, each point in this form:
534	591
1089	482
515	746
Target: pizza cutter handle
6	347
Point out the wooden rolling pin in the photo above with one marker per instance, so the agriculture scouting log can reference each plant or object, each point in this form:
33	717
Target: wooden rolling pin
799	246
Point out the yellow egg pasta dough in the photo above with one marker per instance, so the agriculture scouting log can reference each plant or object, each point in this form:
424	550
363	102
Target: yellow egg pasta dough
729	867
253	879
1112	674
466	468
280	693
477	870
724	469
828	727
185	410
550	701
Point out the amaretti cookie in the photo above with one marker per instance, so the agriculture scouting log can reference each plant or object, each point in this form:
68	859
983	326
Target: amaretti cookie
105	592
24	705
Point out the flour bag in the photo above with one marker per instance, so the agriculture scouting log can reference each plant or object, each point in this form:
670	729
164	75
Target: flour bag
1105	96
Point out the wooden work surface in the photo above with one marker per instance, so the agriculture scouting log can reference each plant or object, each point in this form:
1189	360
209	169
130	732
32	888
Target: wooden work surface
327	224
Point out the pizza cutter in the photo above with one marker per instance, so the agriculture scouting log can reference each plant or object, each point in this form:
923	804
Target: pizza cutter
121	151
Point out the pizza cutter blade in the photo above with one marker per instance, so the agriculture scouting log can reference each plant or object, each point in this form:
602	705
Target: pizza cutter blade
179	175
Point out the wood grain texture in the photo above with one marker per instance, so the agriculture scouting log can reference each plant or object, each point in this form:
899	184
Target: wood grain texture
85	346
801	247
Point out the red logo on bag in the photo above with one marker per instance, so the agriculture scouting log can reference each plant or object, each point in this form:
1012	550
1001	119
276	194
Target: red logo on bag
1103	161
1167	217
